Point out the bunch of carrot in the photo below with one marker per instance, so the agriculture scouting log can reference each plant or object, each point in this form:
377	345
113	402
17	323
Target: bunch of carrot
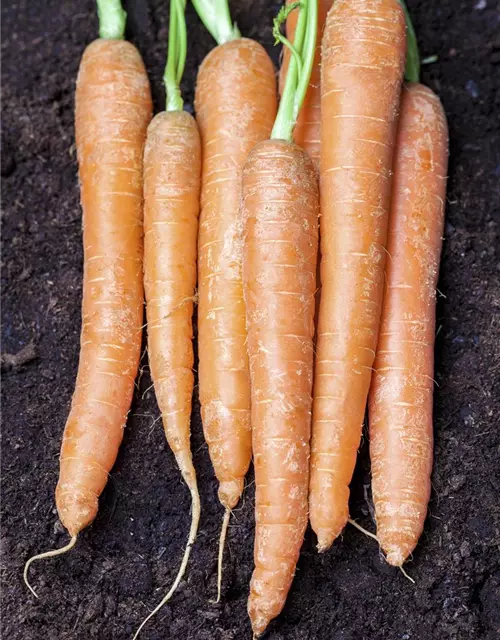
249	173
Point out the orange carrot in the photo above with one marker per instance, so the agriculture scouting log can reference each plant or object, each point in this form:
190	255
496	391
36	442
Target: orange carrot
113	109
235	108
363	53
400	404
307	133
172	177
280	206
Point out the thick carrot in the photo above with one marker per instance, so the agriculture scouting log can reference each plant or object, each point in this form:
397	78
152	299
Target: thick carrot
172	177
235	105
113	109
307	133
280	205
400	401
363	53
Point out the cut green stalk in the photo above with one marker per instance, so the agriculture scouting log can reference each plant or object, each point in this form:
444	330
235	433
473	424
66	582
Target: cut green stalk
176	56
412	70
300	67
112	19
216	17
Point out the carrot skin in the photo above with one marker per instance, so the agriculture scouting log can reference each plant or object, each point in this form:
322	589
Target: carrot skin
113	109
363	55
307	132
400	402
280	205
235	105
172	176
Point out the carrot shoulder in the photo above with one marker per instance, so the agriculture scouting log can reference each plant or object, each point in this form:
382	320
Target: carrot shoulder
400	405
363	54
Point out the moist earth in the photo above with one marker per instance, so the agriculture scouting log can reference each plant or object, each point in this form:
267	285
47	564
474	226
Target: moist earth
124	562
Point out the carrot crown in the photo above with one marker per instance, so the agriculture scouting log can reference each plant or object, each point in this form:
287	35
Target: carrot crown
412	70
216	17
300	67
176	56
112	19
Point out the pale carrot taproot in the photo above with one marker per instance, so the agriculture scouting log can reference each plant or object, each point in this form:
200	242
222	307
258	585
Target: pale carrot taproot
401	393
113	109
172	178
363	54
235	105
280	206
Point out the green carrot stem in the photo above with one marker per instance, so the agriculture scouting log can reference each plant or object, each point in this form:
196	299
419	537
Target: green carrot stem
300	67
308	53
412	70
182	49
176	56
216	17
112	19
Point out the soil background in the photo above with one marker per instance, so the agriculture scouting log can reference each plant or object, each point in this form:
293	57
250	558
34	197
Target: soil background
126	559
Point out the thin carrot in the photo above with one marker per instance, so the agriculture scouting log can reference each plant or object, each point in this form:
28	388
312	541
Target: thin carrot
400	402
235	105
113	109
363	54
280	205
172	176
307	132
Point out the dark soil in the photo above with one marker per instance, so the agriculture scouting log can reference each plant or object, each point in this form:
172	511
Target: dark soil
125	560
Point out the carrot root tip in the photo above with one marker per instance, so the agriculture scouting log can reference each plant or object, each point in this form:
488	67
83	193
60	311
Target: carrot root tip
406	575
259	623
325	540
363	530
195	519
222	542
396	555
41	556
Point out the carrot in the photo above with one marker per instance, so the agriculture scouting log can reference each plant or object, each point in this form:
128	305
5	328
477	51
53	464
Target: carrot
172	176
235	105
363	52
113	108
400	401
280	205
307	133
